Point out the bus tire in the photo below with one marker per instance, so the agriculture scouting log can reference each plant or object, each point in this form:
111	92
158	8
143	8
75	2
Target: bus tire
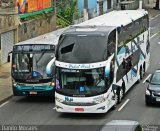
122	91
14	91
141	73
116	101
120	95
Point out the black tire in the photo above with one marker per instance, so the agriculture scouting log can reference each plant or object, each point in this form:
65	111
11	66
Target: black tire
14	91
120	93
119	96
116	101
141	73
147	103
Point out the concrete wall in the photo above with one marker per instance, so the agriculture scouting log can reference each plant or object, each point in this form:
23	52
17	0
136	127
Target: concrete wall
39	26
9	21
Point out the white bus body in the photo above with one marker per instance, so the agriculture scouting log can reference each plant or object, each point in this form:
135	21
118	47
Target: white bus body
129	61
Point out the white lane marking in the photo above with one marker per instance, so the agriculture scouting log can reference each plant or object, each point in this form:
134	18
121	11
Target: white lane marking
4	104
159	43
154	35
54	108
146	78
125	103
154	17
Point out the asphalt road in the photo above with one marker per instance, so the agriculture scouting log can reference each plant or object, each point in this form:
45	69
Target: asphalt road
39	110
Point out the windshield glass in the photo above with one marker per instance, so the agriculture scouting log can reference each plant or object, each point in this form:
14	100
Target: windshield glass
31	65
155	79
71	49
80	82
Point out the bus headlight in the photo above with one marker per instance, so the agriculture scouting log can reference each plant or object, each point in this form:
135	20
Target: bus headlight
52	84
148	92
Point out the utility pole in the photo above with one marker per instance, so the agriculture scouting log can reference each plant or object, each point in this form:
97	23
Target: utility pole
85	10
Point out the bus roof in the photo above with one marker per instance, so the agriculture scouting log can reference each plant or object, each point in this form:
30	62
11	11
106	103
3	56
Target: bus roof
115	18
89	30
49	38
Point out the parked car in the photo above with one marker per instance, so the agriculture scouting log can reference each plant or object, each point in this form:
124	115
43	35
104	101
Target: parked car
152	94
122	125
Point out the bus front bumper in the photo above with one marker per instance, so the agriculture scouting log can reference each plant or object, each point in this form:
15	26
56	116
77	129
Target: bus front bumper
99	108
17	91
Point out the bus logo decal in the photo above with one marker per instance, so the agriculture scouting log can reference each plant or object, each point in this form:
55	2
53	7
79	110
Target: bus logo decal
68	99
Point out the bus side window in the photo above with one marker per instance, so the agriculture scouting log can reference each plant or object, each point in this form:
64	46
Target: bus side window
111	45
127	63
145	22
109	79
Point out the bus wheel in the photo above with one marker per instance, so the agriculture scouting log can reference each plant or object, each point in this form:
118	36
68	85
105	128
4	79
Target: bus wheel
141	73
14	91
116	101
121	95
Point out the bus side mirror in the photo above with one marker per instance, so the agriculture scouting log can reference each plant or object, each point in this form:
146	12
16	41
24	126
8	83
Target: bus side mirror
8	58
50	68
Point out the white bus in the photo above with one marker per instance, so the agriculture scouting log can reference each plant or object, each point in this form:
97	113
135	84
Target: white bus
32	61
99	60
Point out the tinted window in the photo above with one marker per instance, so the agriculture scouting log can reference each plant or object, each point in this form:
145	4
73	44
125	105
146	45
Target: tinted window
111	43
146	22
71	49
132	30
155	79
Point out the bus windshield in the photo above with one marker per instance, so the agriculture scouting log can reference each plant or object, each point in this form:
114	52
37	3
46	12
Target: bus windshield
81	49
80	82
31	65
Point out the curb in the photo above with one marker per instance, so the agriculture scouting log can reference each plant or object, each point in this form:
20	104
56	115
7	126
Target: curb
5	99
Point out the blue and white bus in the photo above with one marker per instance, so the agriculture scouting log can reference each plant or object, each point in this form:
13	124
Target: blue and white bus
99	60
32	60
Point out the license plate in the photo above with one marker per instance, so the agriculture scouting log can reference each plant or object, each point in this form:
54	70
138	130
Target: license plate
33	93
157	99
79	109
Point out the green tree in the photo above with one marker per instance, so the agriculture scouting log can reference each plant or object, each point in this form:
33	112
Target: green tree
67	11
